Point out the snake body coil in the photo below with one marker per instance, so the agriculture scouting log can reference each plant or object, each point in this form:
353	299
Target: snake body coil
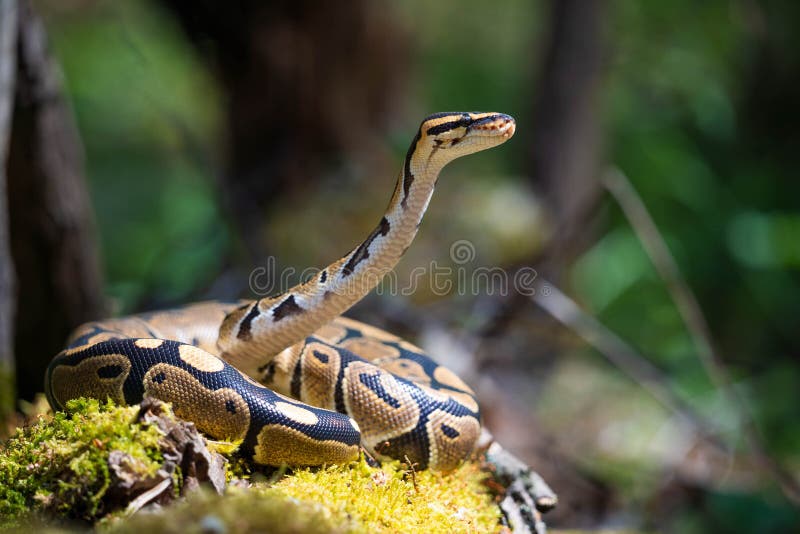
335	383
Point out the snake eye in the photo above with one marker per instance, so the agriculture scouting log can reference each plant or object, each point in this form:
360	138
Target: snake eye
466	118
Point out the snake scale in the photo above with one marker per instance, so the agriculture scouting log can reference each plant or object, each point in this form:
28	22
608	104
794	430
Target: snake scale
287	375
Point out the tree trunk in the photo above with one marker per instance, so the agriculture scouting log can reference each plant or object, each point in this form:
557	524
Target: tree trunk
59	284
564	156
8	41
301	91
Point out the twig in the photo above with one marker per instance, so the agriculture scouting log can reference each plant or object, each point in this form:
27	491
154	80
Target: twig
636	212
412	471
648	234
617	351
148	496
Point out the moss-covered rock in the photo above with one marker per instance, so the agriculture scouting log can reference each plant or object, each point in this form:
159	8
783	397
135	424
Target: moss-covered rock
59	466
72	466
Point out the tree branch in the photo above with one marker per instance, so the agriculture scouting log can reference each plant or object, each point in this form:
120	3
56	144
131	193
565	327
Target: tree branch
613	348
566	142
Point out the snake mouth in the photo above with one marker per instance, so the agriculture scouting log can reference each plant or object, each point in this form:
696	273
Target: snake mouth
495	125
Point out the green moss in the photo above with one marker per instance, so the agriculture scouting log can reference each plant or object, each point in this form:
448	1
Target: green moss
59	466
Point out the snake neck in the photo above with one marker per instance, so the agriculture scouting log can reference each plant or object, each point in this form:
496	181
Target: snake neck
257	331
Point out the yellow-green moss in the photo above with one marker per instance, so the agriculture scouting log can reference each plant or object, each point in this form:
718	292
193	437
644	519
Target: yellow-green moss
391	499
353	499
60	465
237	467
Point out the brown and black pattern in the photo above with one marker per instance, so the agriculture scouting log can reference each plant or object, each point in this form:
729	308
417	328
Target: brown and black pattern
362	252
246	324
408	177
400	399
286	308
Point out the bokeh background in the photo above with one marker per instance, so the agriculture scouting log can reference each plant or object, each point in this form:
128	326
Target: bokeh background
218	135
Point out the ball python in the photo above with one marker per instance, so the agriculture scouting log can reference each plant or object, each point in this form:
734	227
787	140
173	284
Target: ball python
286	375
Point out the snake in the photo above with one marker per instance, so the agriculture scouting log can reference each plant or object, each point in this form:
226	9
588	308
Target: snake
287	376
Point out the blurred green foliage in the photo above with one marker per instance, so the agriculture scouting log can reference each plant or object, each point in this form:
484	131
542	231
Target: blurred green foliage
149	115
697	113
681	94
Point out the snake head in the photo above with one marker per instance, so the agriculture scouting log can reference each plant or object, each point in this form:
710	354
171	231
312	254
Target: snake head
460	133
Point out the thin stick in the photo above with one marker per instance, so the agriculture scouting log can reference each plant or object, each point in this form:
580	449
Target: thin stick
646	230
615	350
